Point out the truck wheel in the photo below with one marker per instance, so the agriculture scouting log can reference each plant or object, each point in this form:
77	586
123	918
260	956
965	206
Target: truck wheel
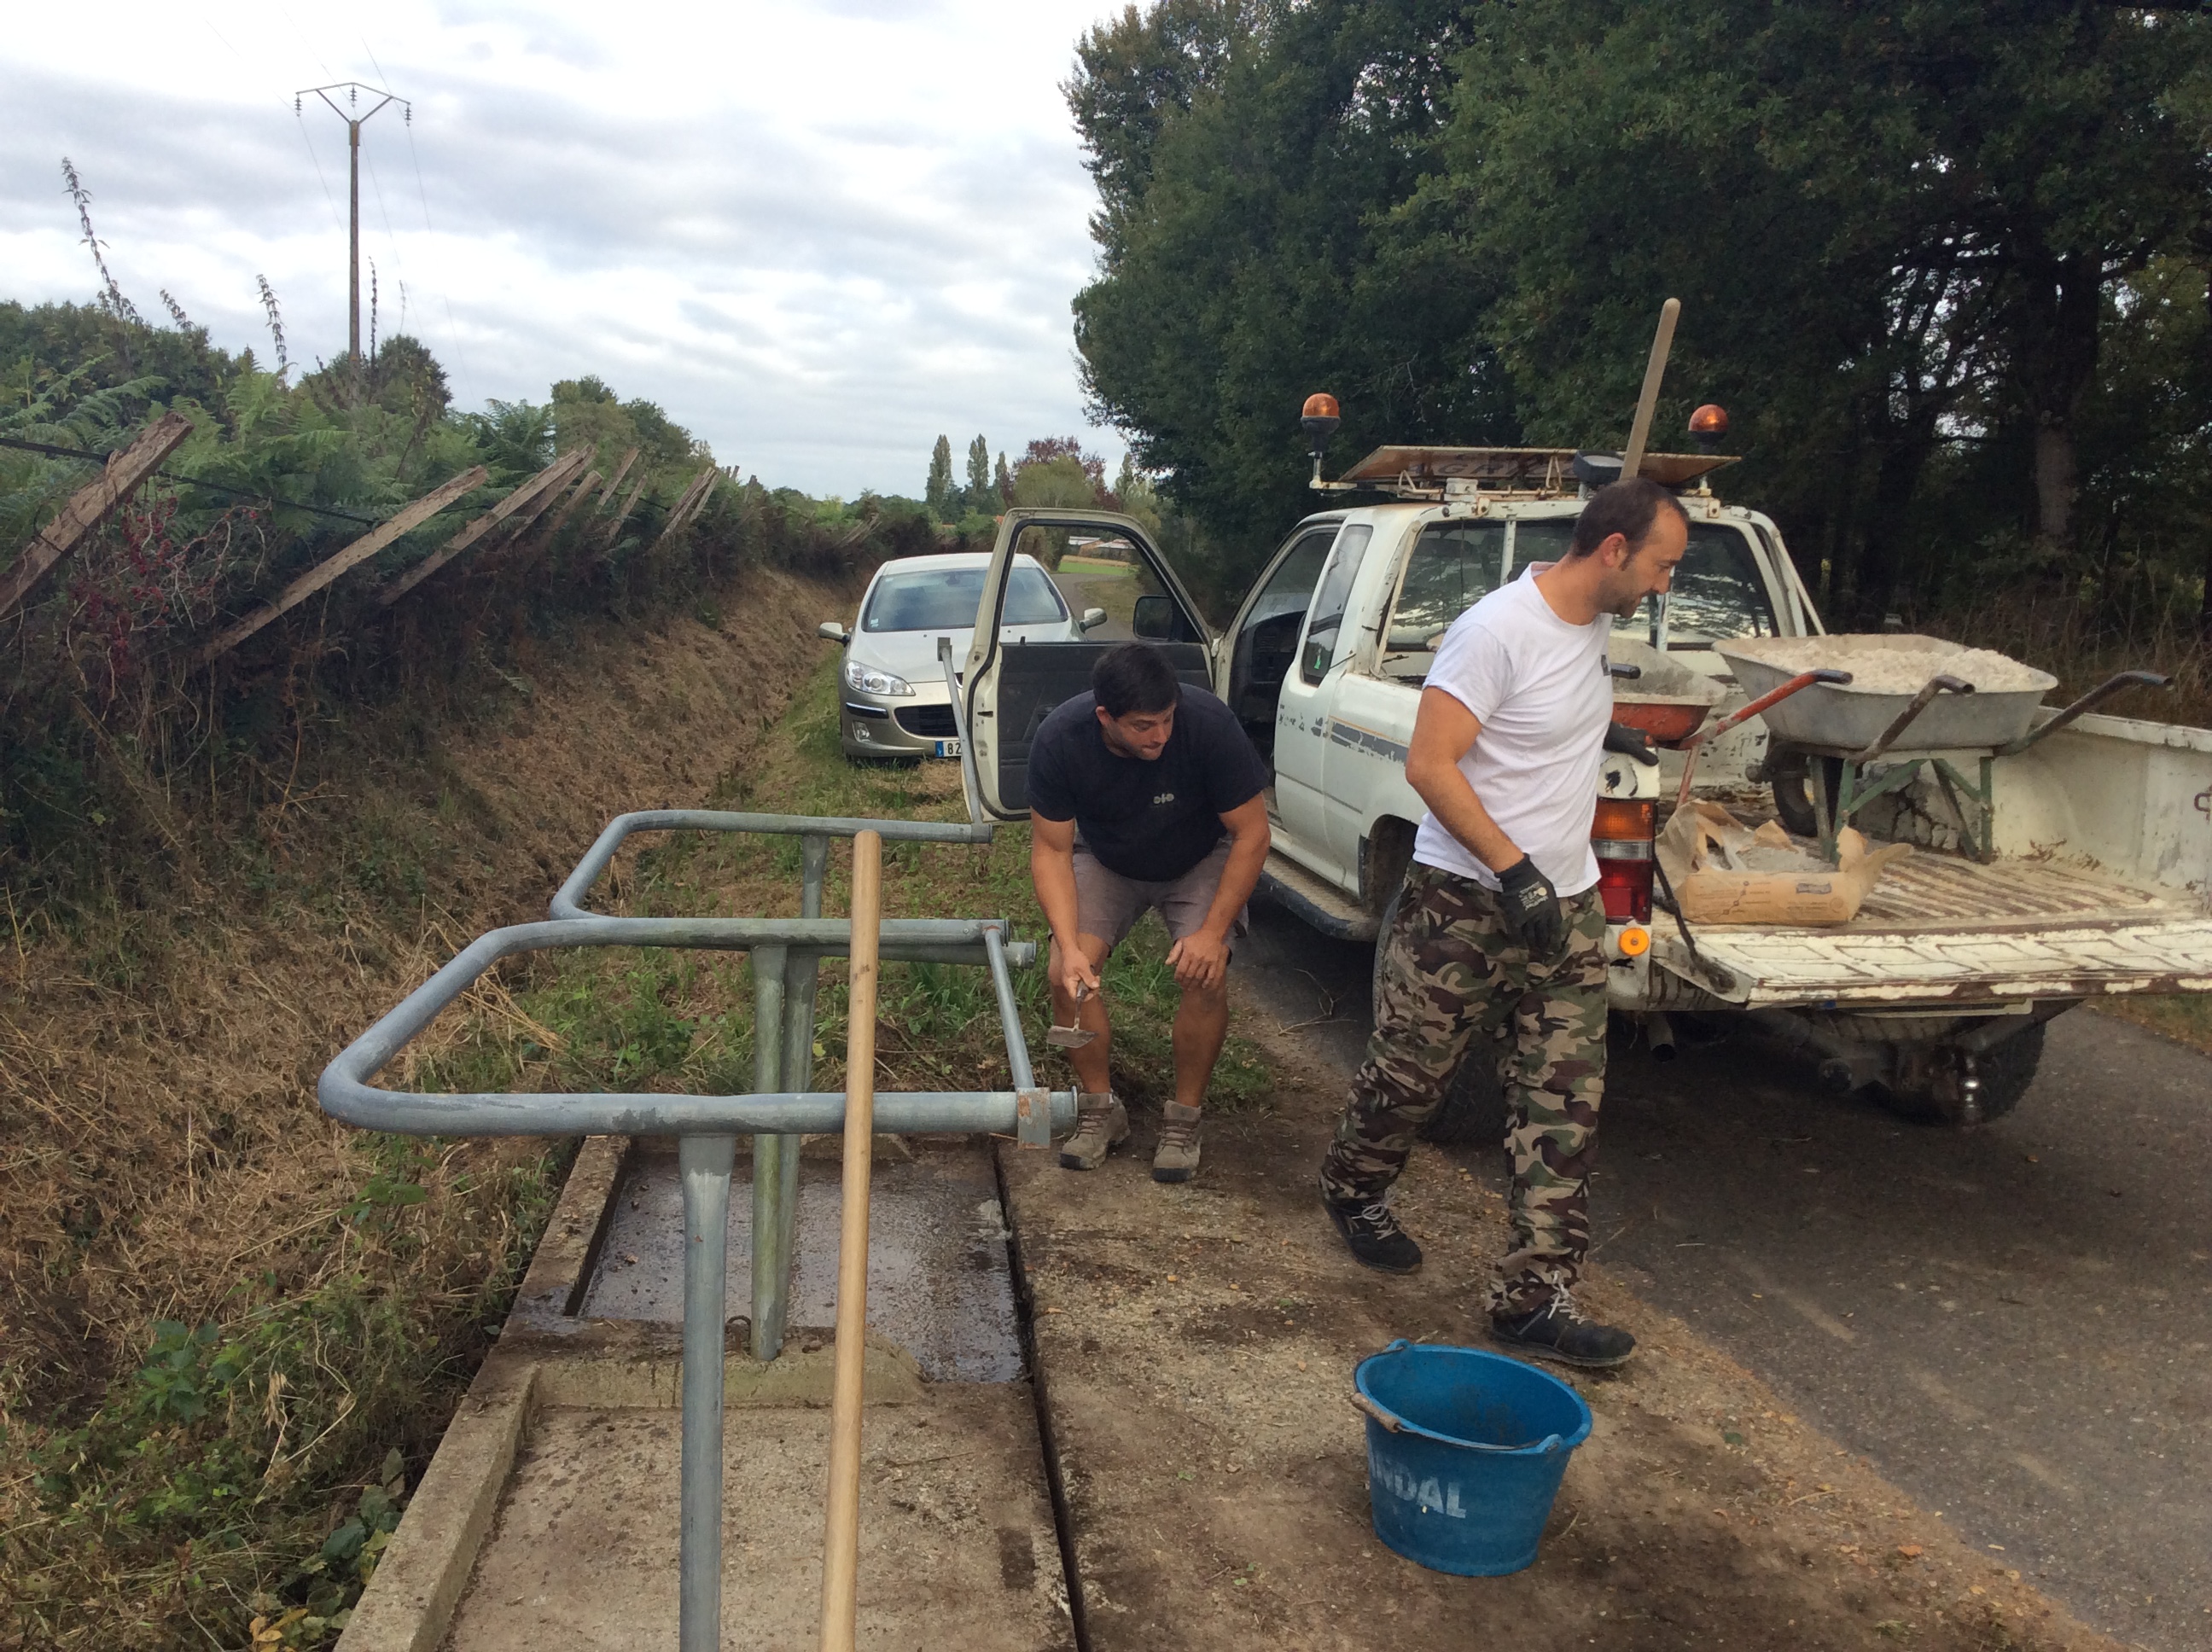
1793	774
1473	1108
1927	1090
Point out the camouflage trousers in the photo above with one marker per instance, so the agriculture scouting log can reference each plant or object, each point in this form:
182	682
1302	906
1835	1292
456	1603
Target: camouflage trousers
1451	972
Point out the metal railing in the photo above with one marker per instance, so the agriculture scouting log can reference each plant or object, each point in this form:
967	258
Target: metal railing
786	955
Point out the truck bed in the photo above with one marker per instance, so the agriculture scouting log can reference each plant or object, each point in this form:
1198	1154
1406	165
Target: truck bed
1939	929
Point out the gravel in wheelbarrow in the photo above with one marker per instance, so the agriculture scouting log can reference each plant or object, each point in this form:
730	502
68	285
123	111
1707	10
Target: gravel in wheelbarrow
1886	671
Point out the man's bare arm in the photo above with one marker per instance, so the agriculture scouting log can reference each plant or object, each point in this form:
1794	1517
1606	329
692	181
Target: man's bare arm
1052	869
1444	731
1203	959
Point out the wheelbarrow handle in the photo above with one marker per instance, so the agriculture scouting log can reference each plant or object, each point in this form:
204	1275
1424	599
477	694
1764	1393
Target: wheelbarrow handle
2089	701
1943	683
1772	697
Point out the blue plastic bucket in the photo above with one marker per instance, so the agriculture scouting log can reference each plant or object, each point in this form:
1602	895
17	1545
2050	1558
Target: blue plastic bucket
1465	1451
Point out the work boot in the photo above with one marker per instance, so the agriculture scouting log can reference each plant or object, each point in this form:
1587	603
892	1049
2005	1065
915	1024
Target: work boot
1560	1331
1100	1123
1373	1234
1175	1159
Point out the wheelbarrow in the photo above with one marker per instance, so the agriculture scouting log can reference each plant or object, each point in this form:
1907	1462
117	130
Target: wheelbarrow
1846	730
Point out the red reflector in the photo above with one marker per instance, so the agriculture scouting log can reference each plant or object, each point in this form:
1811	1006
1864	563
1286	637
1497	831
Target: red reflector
1624	886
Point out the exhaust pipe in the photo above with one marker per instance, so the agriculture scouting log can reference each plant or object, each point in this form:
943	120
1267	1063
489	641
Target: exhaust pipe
1660	1032
1845	1065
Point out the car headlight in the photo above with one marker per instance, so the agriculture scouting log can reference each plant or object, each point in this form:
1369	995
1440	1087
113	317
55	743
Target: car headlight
865	679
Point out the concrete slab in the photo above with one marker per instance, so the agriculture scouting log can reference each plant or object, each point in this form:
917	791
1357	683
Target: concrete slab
956	1541
938	1281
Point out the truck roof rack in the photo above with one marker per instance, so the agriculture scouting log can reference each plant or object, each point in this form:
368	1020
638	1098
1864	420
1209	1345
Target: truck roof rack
1504	472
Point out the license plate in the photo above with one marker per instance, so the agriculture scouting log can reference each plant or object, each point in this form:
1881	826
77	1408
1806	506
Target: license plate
948	748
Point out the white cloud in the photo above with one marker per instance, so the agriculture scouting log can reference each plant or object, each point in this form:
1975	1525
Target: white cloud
818	235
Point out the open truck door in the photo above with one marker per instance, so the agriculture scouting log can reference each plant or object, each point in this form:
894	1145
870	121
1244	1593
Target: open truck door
1009	687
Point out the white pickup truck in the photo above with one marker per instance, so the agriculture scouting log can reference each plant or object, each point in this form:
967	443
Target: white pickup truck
1937	991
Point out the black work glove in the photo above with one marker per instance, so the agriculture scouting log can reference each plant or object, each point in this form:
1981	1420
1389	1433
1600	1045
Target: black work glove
1532	911
1630	742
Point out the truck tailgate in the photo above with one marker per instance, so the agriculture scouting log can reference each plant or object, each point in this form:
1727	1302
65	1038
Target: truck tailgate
1939	931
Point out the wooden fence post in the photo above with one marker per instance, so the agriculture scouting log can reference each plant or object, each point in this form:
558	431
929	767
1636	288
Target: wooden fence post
581	492
91	505
614	527
547	497
551	476
409	517
615	481
700	483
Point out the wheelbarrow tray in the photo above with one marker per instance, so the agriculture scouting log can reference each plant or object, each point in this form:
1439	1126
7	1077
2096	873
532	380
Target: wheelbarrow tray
1667	720
1849	718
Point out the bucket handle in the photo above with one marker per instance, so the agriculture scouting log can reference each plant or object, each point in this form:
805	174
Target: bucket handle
1389	1419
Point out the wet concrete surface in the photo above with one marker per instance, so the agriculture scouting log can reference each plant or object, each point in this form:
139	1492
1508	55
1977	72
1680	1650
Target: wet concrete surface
2014	1324
938	1280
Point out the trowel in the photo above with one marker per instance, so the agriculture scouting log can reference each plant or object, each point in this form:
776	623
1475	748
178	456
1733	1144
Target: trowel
1070	1038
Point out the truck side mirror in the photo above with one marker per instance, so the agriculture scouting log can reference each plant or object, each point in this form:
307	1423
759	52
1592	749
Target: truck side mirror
1155	619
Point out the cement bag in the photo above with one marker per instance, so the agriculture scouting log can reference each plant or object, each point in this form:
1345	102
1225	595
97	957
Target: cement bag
1723	872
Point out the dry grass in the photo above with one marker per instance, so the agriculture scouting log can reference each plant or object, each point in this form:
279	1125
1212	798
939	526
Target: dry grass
163	1166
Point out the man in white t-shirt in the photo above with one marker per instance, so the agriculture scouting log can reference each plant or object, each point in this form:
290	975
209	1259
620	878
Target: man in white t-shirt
1500	929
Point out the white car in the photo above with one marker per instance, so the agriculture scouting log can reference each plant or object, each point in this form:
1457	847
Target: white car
894	702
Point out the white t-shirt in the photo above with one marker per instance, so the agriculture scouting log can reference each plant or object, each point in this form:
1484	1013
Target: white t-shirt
1543	692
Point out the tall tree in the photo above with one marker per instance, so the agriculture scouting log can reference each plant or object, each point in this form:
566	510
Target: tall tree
1249	157
980	491
937	493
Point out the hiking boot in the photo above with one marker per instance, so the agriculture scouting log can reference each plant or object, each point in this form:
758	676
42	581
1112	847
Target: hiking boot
1373	1234
1560	1331
1100	1123
1175	1159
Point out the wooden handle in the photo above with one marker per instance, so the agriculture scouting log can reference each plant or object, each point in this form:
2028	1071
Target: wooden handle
841	1552
1632	461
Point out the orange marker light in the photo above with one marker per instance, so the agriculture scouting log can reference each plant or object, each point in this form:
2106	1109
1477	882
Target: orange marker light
1635	941
1323	406
1711	419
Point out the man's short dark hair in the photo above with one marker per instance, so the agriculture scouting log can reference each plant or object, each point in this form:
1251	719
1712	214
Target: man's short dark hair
1628	508
1134	679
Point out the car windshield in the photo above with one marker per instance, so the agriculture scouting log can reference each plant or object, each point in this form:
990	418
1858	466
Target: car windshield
946	599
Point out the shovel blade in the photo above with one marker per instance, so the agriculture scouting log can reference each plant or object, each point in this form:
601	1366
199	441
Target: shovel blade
1068	1038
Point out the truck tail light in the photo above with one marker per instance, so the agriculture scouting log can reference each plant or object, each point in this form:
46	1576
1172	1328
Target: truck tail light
1622	836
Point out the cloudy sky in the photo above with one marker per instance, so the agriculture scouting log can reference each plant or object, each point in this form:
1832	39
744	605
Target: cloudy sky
818	233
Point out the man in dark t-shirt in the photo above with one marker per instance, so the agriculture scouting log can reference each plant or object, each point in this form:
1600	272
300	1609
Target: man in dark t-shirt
1143	793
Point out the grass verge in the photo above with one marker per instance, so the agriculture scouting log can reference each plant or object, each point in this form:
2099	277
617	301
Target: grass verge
670	1020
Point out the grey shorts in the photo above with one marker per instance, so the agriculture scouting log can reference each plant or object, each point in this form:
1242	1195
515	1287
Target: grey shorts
1107	905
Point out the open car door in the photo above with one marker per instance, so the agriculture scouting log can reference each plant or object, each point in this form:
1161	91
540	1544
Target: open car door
1098	559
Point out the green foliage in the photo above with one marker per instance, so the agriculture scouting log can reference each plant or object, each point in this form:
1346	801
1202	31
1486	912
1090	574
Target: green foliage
937	493
1944	263
250	1469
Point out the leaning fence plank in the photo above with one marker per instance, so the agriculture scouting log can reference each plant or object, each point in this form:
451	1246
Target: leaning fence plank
90	505
615	481
408	518
700	483
583	491
614	527
546	496
551	476
699	505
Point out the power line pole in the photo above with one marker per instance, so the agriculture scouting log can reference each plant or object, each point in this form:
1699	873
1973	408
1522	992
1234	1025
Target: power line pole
353	89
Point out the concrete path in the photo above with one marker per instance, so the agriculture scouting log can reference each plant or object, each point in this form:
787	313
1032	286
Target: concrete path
2014	1325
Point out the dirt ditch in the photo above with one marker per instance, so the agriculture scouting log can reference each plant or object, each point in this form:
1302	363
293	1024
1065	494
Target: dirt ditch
1197	1343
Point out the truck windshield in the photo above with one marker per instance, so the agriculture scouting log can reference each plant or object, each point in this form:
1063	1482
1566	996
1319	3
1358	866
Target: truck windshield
1717	592
1454	565
946	599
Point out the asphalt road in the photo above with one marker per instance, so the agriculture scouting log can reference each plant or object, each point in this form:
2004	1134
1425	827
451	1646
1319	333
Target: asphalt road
2014	1324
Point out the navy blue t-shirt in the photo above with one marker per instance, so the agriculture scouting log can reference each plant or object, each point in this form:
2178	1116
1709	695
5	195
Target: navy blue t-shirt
1150	821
